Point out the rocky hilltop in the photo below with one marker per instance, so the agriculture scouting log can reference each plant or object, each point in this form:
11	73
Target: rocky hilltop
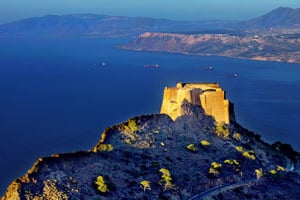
154	157
280	46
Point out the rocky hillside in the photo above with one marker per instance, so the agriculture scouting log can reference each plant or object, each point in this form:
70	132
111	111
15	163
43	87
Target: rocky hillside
153	157
280	47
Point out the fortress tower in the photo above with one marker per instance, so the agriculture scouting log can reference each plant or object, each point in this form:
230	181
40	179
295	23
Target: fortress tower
209	95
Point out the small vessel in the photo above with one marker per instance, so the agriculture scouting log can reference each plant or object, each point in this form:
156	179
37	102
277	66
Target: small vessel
151	66
235	75
209	68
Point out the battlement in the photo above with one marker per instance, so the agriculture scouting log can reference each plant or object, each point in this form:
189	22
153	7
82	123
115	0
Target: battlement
209	95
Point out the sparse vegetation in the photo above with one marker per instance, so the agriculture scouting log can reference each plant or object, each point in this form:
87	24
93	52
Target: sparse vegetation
129	131
192	147
145	185
214	169
105	147
132	127
239	148
280	168
166	179
247	154
216	165
237	136
273	172
101	185
204	143
231	162
259	173
221	130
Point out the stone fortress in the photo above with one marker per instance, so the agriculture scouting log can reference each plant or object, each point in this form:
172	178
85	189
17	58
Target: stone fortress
208	95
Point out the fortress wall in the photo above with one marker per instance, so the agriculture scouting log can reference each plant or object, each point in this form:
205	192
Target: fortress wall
202	86
184	94
172	100
170	103
212	100
214	104
170	94
226	111
195	96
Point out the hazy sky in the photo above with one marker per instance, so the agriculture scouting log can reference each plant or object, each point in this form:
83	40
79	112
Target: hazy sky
11	10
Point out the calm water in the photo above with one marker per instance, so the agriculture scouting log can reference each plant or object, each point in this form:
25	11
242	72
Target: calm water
53	99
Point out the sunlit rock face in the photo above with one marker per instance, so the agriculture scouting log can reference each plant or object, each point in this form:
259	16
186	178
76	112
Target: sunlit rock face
209	95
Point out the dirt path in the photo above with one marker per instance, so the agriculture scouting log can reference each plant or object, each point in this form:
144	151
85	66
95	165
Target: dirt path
216	190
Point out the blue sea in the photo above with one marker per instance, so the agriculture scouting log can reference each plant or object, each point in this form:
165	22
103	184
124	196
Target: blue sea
58	95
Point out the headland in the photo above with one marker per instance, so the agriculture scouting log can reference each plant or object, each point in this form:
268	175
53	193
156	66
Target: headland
191	154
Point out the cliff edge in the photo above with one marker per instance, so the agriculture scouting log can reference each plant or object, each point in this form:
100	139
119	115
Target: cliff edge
155	157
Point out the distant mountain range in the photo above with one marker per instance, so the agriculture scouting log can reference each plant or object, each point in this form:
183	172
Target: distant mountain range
89	25
279	18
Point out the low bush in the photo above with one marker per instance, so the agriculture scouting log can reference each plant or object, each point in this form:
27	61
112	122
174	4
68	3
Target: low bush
101	185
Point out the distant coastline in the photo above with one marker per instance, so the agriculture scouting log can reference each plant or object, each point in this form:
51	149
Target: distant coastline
279	47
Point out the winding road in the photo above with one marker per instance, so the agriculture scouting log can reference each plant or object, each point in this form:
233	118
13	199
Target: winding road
219	189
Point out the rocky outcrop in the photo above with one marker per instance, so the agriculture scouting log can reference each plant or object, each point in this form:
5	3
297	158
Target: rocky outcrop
154	157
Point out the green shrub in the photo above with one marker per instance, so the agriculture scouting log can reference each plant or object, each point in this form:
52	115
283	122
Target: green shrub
204	143
249	154
214	169
105	147
146	185
280	168
237	136
132	127
216	165
259	173
239	148
192	147
231	162
273	172
221	130
129	131
166	179
101	185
